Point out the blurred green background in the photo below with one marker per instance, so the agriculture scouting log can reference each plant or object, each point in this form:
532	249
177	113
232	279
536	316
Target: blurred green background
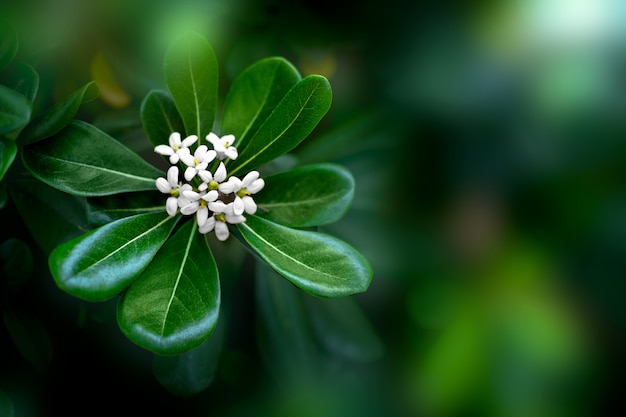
488	143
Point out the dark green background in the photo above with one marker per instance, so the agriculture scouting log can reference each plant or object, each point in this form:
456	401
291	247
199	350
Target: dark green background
488	144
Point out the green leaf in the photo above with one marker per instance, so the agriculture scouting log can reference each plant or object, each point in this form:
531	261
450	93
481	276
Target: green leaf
83	160
174	304
308	196
343	329
14	110
284	335
320	264
9	43
193	371
160	117
191	74
254	94
292	120
51	121
103	210
98	265
24	79
8	150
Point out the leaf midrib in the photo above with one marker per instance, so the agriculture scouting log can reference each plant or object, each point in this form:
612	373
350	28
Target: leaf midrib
180	273
284	254
293	120
96	167
124	245
300	202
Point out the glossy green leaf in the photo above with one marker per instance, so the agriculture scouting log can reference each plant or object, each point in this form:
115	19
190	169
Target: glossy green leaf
9	43
52	120
160	117
98	265
284	335
191	74
308	196
65	216
14	110
343	329
24	79
83	160
30	336
292	120
320	264
174	304
254	94
8	150
103	210
193	371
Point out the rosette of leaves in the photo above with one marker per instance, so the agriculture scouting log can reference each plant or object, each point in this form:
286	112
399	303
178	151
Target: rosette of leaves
162	267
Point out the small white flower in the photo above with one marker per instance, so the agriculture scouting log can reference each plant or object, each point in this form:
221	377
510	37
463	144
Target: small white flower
172	187
223	146
198	162
251	184
212	181
198	204
176	146
222	214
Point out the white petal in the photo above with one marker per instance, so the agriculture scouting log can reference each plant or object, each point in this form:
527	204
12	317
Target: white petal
202	215
249	178
229	210
238	205
163	185
189	140
231	153
213	138
174	158
249	204
234	218
220	173
175	139
190	172
205	175
221	231
182	202
227	187
187	158
228	138
217	206
190	208
200	153
211	196
191	195
171	205
256	186
208	225
203	186
164	150
172	176
210	155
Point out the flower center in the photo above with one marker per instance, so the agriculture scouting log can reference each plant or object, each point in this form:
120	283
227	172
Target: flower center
242	192
175	193
221	217
213	185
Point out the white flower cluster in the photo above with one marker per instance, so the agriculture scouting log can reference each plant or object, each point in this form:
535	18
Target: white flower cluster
215	198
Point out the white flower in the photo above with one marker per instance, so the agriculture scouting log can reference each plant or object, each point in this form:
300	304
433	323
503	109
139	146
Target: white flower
198	162
223	146
172	187
251	184
222	214
198	204
212	181
176	145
